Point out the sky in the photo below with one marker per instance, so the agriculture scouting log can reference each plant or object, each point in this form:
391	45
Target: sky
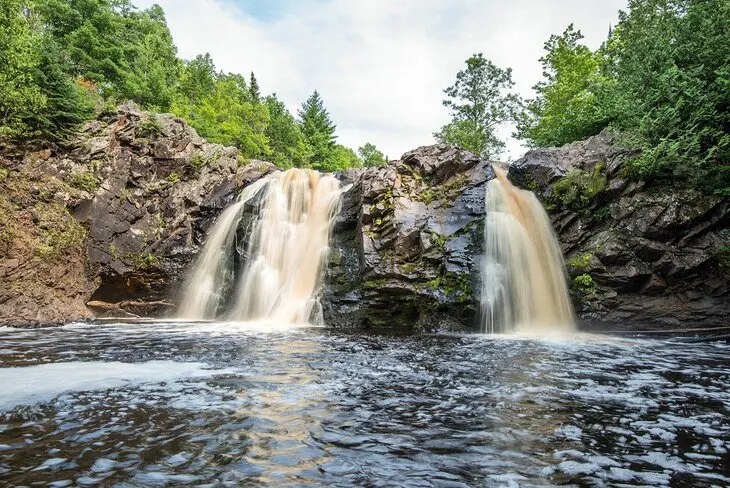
380	65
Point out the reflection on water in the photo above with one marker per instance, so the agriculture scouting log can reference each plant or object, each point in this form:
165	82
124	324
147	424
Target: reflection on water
171	404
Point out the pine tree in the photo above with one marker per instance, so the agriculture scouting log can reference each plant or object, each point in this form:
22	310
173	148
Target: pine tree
315	122
318	130
253	89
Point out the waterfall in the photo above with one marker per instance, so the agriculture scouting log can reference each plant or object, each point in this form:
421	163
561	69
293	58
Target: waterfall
285	251
523	274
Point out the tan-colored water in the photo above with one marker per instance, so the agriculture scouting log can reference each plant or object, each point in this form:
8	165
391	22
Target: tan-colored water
524	283
286	250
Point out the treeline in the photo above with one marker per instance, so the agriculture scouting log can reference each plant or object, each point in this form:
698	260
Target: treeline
63	60
661	80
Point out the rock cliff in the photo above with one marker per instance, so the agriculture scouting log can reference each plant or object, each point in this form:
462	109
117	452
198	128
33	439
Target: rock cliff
407	243
638	256
108	225
111	220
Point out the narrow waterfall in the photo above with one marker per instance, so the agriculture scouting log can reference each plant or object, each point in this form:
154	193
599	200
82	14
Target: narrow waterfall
523	274
278	276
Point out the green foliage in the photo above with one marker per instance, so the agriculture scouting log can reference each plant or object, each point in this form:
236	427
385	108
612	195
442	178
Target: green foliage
150	126
480	102
227	116
370	155
583	285
288	145
568	106
318	129
85	181
578	188
662	79
581	261
37	99
253	89
173	178
129	54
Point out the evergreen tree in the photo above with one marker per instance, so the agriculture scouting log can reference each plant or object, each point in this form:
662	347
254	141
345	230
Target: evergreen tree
314	120
253	89
127	53
480	102
318	129
37	98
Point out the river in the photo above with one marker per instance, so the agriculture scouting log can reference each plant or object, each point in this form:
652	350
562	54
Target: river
214	404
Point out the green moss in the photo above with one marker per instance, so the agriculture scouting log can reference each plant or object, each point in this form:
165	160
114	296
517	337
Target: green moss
150	126
578	188
173	178
4	173
375	283
85	181
581	261
600	215
455	286
143	261
113	252
59	231
439	240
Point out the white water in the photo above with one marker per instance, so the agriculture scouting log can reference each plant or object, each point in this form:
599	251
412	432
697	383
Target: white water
524	284
285	253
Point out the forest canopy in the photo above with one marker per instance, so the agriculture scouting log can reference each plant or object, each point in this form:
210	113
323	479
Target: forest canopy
661	81
60	60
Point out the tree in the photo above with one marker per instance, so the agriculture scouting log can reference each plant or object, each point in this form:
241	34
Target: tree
253	89
37	98
669	60
340	158
569	103
227	116
317	127
20	95
129	54
370	155
480	102
288	146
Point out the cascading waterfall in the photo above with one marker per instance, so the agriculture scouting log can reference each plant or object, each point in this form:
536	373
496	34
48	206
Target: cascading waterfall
285	251
524	283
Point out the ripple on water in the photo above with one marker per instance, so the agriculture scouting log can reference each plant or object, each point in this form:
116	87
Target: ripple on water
170	404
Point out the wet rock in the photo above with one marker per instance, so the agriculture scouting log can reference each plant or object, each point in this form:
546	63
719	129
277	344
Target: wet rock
407	243
656	256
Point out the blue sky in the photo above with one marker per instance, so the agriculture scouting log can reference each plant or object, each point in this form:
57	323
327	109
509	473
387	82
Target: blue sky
380	65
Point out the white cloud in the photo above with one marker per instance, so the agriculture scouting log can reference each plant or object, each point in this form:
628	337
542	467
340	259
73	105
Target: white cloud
380	65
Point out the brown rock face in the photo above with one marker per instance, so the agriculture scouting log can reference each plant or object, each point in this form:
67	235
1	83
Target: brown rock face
638	256
115	217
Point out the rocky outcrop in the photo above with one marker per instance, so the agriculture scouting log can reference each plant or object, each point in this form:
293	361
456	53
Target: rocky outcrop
407	243
110	223
638	256
112	220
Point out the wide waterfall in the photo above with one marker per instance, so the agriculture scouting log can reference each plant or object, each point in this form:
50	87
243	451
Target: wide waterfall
524	283
274	273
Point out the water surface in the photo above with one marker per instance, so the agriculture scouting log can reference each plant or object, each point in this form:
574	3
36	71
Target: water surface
171	404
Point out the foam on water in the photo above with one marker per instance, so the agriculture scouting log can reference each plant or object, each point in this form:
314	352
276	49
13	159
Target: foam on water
235	404
43	382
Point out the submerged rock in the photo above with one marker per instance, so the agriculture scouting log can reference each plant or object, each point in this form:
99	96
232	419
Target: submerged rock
637	256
